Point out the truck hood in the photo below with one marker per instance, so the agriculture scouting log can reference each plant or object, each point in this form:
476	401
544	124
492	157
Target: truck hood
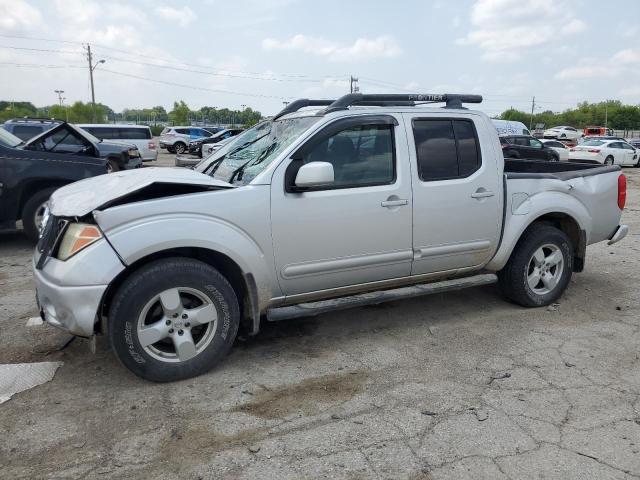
81	198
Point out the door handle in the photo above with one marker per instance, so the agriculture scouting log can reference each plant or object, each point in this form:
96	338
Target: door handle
482	194
394	203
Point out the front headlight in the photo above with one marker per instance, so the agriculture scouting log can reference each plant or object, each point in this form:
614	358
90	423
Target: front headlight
134	153
76	237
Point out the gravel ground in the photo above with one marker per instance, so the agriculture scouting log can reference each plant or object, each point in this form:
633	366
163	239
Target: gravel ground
452	386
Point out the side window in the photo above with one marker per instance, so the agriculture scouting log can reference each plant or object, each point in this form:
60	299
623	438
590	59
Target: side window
445	149
133	133
361	156
533	143
182	131
522	141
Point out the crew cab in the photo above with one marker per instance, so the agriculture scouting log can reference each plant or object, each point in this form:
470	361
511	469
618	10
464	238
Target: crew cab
370	193
27	179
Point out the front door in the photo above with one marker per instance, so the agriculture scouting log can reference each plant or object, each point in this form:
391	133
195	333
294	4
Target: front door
355	230
457	188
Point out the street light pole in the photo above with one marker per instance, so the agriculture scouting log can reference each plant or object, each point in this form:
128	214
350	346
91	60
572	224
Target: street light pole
92	67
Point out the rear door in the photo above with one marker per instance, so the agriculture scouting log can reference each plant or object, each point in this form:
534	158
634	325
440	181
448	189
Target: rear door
355	230
457	190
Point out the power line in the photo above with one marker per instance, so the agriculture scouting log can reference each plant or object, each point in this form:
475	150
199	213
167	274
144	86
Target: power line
194	87
38	65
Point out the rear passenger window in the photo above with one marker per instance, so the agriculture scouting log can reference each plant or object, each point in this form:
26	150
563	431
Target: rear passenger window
445	149
134	133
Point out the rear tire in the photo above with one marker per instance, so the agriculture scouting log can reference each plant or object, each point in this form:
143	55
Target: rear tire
171	150
540	267
32	212
149	319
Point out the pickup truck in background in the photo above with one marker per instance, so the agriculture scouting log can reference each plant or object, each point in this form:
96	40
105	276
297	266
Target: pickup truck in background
369	193
28	178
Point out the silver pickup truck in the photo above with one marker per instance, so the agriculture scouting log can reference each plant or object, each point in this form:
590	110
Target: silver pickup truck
368	193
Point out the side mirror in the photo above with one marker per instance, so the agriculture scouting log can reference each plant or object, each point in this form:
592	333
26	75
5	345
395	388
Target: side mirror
314	174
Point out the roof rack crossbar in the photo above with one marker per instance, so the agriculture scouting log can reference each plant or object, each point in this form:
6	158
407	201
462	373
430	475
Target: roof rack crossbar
452	100
301	103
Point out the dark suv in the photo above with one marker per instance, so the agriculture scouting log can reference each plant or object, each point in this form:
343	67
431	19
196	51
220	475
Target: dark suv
28	177
526	146
61	137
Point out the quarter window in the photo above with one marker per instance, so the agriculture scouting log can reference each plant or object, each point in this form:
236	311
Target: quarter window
446	149
361	156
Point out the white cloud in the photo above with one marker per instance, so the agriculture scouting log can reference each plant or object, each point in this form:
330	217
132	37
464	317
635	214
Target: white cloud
362	49
504	28
335	83
78	11
182	16
627	56
582	72
18	15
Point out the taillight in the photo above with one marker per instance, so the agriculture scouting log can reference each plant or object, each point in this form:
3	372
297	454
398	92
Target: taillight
622	191
152	146
593	150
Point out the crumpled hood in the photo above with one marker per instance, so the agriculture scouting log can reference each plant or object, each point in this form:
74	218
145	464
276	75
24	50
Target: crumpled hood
84	196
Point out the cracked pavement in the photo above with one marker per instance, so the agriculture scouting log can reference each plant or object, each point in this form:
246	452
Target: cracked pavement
460	385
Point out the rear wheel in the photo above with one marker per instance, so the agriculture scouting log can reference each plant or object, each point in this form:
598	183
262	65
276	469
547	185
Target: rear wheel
33	213
171	150
180	148
539	268
608	160
174	318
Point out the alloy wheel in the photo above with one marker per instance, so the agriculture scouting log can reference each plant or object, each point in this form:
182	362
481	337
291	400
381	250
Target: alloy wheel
545	268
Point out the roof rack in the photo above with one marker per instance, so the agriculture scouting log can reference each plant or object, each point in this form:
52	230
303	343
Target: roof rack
34	119
451	100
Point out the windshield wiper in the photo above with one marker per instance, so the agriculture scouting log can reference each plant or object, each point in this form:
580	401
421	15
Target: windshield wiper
240	170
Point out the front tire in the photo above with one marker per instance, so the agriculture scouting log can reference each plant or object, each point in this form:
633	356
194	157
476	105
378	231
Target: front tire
608	160
540	267
173	319
33	211
180	148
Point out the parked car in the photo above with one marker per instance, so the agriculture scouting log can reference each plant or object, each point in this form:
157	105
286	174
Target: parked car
62	137
28	177
559	147
607	152
597	131
634	142
526	146
195	146
307	206
191	160
138	135
26	128
509	127
177	139
564	133
601	137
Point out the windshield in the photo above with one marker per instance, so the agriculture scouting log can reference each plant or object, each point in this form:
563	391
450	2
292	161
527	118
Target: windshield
8	139
593	143
242	159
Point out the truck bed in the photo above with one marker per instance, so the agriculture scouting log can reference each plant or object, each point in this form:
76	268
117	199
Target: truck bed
556	170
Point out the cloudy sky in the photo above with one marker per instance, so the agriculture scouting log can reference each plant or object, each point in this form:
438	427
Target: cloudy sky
263	52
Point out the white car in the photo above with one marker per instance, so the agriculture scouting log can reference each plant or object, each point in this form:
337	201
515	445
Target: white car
607	152
209	148
565	133
561	148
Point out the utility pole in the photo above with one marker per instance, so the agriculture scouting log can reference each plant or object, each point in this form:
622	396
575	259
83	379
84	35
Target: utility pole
533	105
92	67
353	84
606	106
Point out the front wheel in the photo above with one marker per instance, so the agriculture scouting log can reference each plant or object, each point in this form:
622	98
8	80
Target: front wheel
180	148
540	267
608	160
173	319
33	213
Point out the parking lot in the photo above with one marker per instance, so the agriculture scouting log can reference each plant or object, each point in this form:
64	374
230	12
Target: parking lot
459	385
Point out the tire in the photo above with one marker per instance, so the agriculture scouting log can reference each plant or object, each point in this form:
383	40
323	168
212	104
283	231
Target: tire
555	157
171	150
179	148
32	212
608	160
185	285
112	166
519	274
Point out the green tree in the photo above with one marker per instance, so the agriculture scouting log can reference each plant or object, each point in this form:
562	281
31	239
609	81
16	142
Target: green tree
180	113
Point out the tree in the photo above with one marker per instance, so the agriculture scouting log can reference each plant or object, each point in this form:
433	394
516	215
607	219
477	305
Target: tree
180	113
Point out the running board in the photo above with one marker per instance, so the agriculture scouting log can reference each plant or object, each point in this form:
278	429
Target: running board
373	298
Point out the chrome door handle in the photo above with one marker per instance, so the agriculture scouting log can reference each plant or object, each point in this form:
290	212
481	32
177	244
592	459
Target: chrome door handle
394	203
482	194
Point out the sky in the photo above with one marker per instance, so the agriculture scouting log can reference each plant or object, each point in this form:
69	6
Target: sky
261	53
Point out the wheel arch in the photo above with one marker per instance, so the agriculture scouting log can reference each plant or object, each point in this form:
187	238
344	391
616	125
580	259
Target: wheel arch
243	283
